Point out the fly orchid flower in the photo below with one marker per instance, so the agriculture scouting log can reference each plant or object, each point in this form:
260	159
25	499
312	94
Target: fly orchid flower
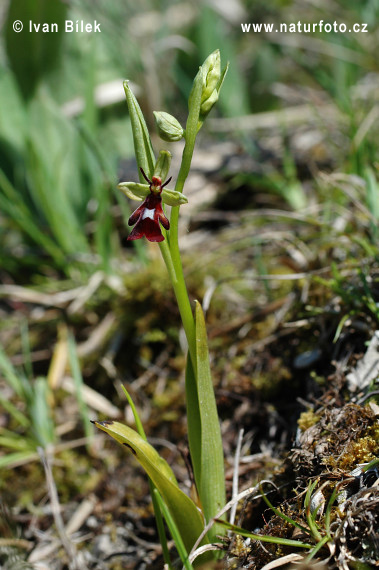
147	216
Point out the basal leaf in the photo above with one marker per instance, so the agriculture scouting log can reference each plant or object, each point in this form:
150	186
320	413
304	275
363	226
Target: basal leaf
184	512
211	482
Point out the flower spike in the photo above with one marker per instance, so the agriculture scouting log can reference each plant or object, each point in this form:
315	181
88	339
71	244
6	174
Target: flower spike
148	215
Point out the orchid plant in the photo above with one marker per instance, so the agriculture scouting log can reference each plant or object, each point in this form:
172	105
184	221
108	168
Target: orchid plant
185	518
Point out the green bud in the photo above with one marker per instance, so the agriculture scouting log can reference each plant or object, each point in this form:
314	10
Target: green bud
211	69
162	166
211	78
169	128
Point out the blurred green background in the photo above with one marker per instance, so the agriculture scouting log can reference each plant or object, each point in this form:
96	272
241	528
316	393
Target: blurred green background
64	128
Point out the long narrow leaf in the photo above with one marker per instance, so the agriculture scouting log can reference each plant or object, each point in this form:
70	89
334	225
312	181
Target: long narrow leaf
78	381
193	419
282	515
310	518
174	532
10	374
40	413
142	143
184	512
211	483
12	459
153	490
264	537
17	415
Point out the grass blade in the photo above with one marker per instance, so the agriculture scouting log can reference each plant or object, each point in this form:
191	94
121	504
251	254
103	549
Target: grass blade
78	380
264	538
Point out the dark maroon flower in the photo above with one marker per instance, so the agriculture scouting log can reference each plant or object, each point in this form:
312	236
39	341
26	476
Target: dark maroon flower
148	215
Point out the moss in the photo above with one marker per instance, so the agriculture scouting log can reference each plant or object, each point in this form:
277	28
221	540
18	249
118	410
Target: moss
363	450
307	419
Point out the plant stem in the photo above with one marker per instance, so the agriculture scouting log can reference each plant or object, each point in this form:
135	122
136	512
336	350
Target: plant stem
175	272
177	276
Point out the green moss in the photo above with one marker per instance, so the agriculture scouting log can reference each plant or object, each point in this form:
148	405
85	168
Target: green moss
363	450
307	419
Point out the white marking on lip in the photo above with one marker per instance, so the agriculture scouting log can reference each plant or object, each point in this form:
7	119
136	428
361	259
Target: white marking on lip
148	213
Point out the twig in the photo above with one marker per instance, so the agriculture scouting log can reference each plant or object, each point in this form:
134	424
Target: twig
69	547
233	510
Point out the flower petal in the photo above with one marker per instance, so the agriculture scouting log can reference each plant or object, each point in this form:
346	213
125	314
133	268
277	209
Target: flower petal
136	214
147	227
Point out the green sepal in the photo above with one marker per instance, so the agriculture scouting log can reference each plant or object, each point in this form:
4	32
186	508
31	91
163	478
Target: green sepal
137	191
173	198
162	166
134	190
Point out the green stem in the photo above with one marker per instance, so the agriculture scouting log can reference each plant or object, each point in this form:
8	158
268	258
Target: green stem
180	290
177	276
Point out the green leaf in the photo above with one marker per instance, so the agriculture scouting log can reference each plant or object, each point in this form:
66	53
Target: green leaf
142	143
8	371
174	531
11	459
79	384
282	515
183	511
193	419
40	413
264	538
153	490
210	474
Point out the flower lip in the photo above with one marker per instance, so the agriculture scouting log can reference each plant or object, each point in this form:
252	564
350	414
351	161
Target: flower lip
147	217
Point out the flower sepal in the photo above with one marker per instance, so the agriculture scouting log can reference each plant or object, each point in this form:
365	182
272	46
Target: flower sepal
134	190
137	191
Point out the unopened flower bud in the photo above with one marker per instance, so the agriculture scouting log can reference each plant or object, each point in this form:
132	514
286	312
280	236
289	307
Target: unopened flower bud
211	74
169	128
211	78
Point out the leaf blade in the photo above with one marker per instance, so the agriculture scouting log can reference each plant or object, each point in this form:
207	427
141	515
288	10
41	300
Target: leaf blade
184	512
211	485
